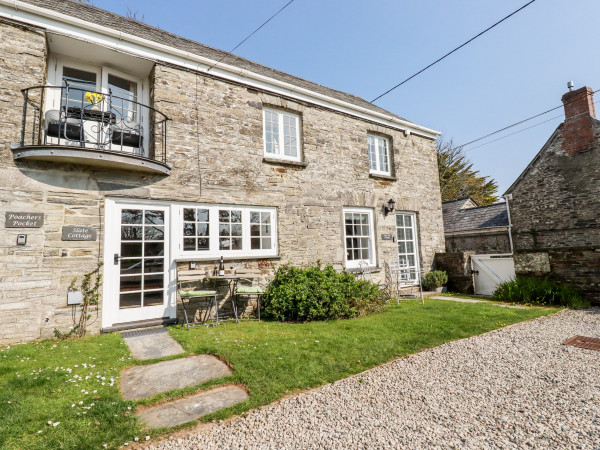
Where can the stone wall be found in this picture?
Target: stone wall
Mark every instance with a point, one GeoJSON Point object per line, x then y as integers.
{"type": "Point", "coordinates": [215, 144]}
{"type": "Point", "coordinates": [484, 243]}
{"type": "Point", "coordinates": [555, 213]}
{"type": "Point", "coordinates": [458, 267]}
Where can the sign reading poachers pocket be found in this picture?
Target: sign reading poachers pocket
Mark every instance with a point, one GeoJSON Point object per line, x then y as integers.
{"type": "Point", "coordinates": [79, 234]}
{"type": "Point", "coordinates": [24, 220]}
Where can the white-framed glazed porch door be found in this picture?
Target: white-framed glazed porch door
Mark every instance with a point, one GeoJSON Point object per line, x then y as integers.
{"type": "Point", "coordinates": [137, 263]}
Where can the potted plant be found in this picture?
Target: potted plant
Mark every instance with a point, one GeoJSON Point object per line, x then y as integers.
{"type": "Point", "coordinates": [434, 280]}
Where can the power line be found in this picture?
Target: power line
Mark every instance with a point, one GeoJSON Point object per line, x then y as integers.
{"type": "Point", "coordinates": [519, 123]}
{"type": "Point", "coordinates": [252, 34]}
{"type": "Point", "coordinates": [449, 53]}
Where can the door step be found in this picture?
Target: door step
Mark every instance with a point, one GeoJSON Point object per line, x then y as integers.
{"type": "Point", "coordinates": [139, 324]}
{"type": "Point", "coordinates": [194, 407]}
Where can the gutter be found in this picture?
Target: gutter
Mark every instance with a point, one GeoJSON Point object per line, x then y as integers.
{"type": "Point", "coordinates": [73, 27]}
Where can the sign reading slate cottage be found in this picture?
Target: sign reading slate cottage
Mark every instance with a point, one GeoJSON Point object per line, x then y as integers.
{"type": "Point", "coordinates": [24, 220]}
{"type": "Point", "coordinates": [79, 234]}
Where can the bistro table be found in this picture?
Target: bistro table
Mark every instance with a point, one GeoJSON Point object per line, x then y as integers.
{"type": "Point", "coordinates": [231, 282]}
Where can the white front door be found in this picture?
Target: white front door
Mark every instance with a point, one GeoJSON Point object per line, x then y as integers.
{"type": "Point", "coordinates": [136, 263]}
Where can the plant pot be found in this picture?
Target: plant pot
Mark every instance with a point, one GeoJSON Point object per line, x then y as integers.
{"type": "Point", "coordinates": [439, 290]}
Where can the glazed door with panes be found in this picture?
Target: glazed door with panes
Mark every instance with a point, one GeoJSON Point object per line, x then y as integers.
{"type": "Point", "coordinates": [139, 263]}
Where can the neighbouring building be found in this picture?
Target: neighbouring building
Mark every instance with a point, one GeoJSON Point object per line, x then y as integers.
{"type": "Point", "coordinates": [477, 229]}
{"type": "Point", "coordinates": [555, 204]}
{"type": "Point", "coordinates": [126, 145]}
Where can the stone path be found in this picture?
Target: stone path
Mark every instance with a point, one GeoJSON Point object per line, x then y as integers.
{"type": "Point", "coordinates": [140, 382]}
{"type": "Point", "coordinates": [144, 381]}
{"type": "Point", "coordinates": [151, 343]}
{"type": "Point", "coordinates": [472, 300]}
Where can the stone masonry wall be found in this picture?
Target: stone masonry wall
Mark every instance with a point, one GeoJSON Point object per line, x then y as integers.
{"type": "Point", "coordinates": [484, 243]}
{"type": "Point", "coordinates": [555, 213]}
{"type": "Point", "coordinates": [215, 144]}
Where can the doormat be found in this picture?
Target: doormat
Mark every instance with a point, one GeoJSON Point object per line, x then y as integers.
{"type": "Point", "coordinates": [588, 343]}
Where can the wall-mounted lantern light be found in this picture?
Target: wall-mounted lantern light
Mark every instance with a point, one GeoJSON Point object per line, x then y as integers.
{"type": "Point", "coordinates": [389, 207]}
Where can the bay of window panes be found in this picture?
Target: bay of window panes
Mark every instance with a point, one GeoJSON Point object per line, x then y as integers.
{"type": "Point", "coordinates": [260, 230]}
{"type": "Point", "coordinates": [230, 229]}
{"type": "Point", "coordinates": [378, 154]}
{"type": "Point", "coordinates": [196, 229]}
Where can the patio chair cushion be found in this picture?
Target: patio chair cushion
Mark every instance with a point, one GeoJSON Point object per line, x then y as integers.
{"type": "Point", "coordinates": [185, 294]}
{"type": "Point", "coordinates": [249, 290]}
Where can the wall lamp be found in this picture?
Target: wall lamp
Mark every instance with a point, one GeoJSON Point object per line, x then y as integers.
{"type": "Point", "coordinates": [389, 207]}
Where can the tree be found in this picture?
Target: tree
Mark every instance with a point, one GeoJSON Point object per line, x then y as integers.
{"type": "Point", "coordinates": [459, 180]}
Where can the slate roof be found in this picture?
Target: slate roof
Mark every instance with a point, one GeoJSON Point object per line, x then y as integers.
{"type": "Point", "coordinates": [461, 215]}
{"type": "Point", "coordinates": [110, 20]}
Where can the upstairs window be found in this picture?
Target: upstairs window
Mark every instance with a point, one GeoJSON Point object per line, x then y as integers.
{"type": "Point", "coordinates": [379, 155]}
{"type": "Point", "coordinates": [281, 134]}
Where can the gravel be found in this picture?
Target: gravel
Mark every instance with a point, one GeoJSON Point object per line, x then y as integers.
{"type": "Point", "coordinates": [516, 387]}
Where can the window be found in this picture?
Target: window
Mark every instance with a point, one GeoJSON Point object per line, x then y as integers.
{"type": "Point", "coordinates": [406, 233]}
{"type": "Point", "coordinates": [358, 236]}
{"type": "Point", "coordinates": [281, 135]}
{"type": "Point", "coordinates": [379, 155]}
{"type": "Point", "coordinates": [209, 231]}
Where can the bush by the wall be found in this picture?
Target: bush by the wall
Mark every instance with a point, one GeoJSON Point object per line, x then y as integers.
{"type": "Point", "coordinates": [541, 292]}
{"type": "Point", "coordinates": [315, 293]}
{"type": "Point", "coordinates": [435, 279]}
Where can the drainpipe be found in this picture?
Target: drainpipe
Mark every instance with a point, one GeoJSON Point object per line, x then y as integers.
{"type": "Point", "coordinates": [508, 197]}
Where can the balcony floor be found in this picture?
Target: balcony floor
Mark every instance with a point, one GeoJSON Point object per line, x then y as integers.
{"type": "Point", "coordinates": [91, 157]}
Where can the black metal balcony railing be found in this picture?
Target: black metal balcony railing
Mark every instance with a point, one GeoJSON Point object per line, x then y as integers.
{"type": "Point", "coordinates": [73, 117]}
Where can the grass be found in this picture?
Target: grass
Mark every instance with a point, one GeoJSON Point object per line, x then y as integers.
{"type": "Point", "coordinates": [38, 383]}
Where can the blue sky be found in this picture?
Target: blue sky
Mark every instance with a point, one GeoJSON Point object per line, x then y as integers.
{"type": "Point", "coordinates": [516, 70]}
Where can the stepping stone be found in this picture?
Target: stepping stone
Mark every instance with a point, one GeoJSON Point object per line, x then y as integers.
{"type": "Point", "coordinates": [151, 343]}
{"type": "Point", "coordinates": [145, 381]}
{"type": "Point", "coordinates": [194, 407]}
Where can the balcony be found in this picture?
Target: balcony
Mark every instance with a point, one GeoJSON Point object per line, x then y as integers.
{"type": "Point", "coordinates": [71, 125]}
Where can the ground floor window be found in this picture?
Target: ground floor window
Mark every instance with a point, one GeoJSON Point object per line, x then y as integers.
{"type": "Point", "coordinates": [358, 236]}
{"type": "Point", "coordinates": [213, 230]}
{"type": "Point", "coordinates": [406, 233]}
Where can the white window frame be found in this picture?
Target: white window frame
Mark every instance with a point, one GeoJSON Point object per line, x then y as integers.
{"type": "Point", "coordinates": [281, 135]}
{"type": "Point", "coordinates": [371, 261]}
{"type": "Point", "coordinates": [377, 170]}
{"type": "Point", "coordinates": [213, 251]}
{"type": "Point", "coordinates": [414, 270]}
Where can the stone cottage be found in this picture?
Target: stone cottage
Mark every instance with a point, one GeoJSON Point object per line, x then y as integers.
{"type": "Point", "coordinates": [126, 145]}
{"type": "Point", "coordinates": [555, 204]}
{"type": "Point", "coordinates": [478, 229]}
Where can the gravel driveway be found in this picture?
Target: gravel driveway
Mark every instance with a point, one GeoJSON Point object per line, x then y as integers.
{"type": "Point", "coordinates": [517, 387]}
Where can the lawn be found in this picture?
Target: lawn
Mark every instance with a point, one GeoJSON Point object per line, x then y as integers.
{"type": "Point", "coordinates": [64, 394]}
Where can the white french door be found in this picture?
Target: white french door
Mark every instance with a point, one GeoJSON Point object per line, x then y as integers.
{"type": "Point", "coordinates": [137, 263]}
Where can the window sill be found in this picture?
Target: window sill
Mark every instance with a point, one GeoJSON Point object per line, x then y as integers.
{"type": "Point", "coordinates": [216, 258]}
{"type": "Point", "coordinates": [376, 269]}
{"type": "Point", "coordinates": [285, 162]}
{"type": "Point", "coordinates": [382, 176]}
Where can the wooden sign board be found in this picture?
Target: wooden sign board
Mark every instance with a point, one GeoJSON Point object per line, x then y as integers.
{"type": "Point", "coordinates": [79, 234]}
{"type": "Point", "coordinates": [24, 220]}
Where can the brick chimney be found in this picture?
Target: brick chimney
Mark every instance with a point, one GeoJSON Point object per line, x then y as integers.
{"type": "Point", "coordinates": [578, 130]}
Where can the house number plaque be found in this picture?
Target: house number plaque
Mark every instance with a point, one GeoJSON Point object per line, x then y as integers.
{"type": "Point", "coordinates": [79, 234]}
{"type": "Point", "coordinates": [387, 237]}
{"type": "Point", "coordinates": [24, 220]}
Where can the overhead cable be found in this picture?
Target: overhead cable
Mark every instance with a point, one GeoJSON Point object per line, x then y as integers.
{"type": "Point", "coordinates": [449, 53]}
{"type": "Point", "coordinates": [252, 34]}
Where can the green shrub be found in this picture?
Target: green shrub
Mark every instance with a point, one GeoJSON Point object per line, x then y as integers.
{"type": "Point", "coordinates": [541, 292]}
{"type": "Point", "coordinates": [435, 279]}
{"type": "Point", "coordinates": [315, 293]}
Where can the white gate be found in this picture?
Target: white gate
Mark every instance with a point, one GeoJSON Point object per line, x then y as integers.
{"type": "Point", "coordinates": [491, 270]}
